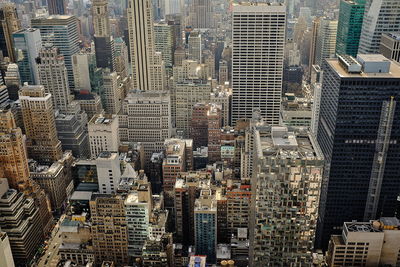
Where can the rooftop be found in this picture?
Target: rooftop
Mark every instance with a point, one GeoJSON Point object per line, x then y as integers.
{"type": "Point", "coordinates": [393, 35]}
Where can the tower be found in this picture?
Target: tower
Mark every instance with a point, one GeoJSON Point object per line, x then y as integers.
{"type": "Point", "coordinates": [40, 127]}
{"type": "Point", "coordinates": [358, 124]}
{"type": "Point", "coordinates": [381, 16]}
{"type": "Point", "coordinates": [53, 76]}
{"type": "Point", "coordinates": [57, 7]}
{"type": "Point", "coordinates": [200, 14]}
{"type": "Point", "coordinates": [9, 23]}
{"type": "Point", "coordinates": [257, 59]}
{"type": "Point", "coordinates": [147, 65]}
{"type": "Point", "coordinates": [350, 22]}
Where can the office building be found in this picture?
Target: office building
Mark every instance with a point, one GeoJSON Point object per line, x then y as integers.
{"type": "Point", "coordinates": [12, 81]}
{"type": "Point", "coordinates": [62, 31]}
{"type": "Point", "coordinates": [146, 118]}
{"type": "Point", "coordinates": [27, 44]}
{"type": "Point", "coordinates": [109, 228]}
{"type": "Point", "coordinates": [103, 134]}
{"type": "Point", "coordinates": [53, 76]}
{"type": "Point", "coordinates": [283, 215]}
{"type": "Point", "coordinates": [72, 131]}
{"type": "Point", "coordinates": [199, 125]}
{"type": "Point", "coordinates": [121, 57]}
{"type": "Point", "coordinates": [40, 128]}
{"type": "Point", "coordinates": [108, 172]}
{"type": "Point", "coordinates": [13, 157]}
{"type": "Point", "coordinates": [200, 14]}
{"type": "Point", "coordinates": [147, 66]}
{"type": "Point", "coordinates": [20, 219]}
{"type": "Point", "coordinates": [205, 225]}
{"type": "Point", "coordinates": [164, 43]}
{"type": "Point", "coordinates": [54, 179]}
{"type": "Point", "coordinates": [138, 211]}
{"type": "Point", "coordinates": [326, 40]}
{"type": "Point", "coordinates": [381, 16]}
{"type": "Point", "coordinates": [313, 45]}
{"type": "Point", "coordinates": [248, 36]}
{"type": "Point", "coordinates": [390, 46]}
{"type": "Point", "coordinates": [83, 67]}
{"type": "Point", "coordinates": [351, 15]}
{"type": "Point", "coordinates": [223, 72]}
{"type": "Point", "coordinates": [6, 257]}
{"type": "Point", "coordinates": [174, 162]}
{"type": "Point", "coordinates": [9, 23]}
{"type": "Point", "coordinates": [57, 7]}
{"type": "Point", "coordinates": [373, 243]}
{"type": "Point", "coordinates": [111, 94]}
{"type": "Point", "coordinates": [195, 46]}
{"type": "Point", "coordinates": [361, 130]}
{"type": "Point", "coordinates": [4, 97]}
{"type": "Point", "coordinates": [214, 133]}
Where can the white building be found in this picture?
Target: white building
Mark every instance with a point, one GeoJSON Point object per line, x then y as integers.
{"type": "Point", "coordinates": [326, 40]}
{"type": "Point", "coordinates": [6, 257]}
{"type": "Point", "coordinates": [53, 76]}
{"type": "Point", "coordinates": [257, 59]}
{"type": "Point", "coordinates": [80, 67]}
{"type": "Point", "coordinates": [103, 134]}
{"type": "Point", "coordinates": [146, 118]}
{"type": "Point", "coordinates": [108, 172]}
{"type": "Point", "coordinates": [194, 46]}
{"type": "Point", "coordinates": [111, 95]}
{"type": "Point", "coordinates": [381, 16]}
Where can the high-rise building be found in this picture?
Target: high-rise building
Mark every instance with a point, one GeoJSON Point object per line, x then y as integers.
{"type": "Point", "coordinates": [358, 123]}
{"type": "Point", "coordinates": [108, 172]}
{"type": "Point", "coordinates": [381, 16]}
{"type": "Point", "coordinates": [13, 81]}
{"type": "Point", "coordinates": [111, 95]}
{"type": "Point", "coordinates": [214, 126]}
{"type": "Point", "coordinates": [109, 228]}
{"type": "Point", "coordinates": [390, 46]}
{"type": "Point", "coordinates": [53, 76]}
{"type": "Point", "coordinates": [57, 7]}
{"type": "Point", "coordinates": [372, 243]}
{"type": "Point", "coordinates": [83, 66]}
{"type": "Point", "coordinates": [138, 212]}
{"type": "Point", "coordinates": [6, 257]}
{"type": "Point", "coordinates": [164, 43]}
{"type": "Point", "coordinates": [326, 40]}
{"type": "Point", "coordinates": [13, 157]}
{"type": "Point", "coordinates": [71, 128]}
{"type": "Point", "coordinates": [283, 215]}
{"type": "Point", "coordinates": [223, 72]}
{"type": "Point", "coordinates": [121, 57]}
{"type": "Point", "coordinates": [146, 118]}
{"type": "Point", "coordinates": [103, 134]}
{"type": "Point", "coordinates": [256, 51]}
{"type": "Point", "coordinates": [351, 15]}
{"type": "Point", "coordinates": [9, 23]}
{"type": "Point", "coordinates": [20, 219]}
{"type": "Point", "coordinates": [147, 65]}
{"type": "Point", "coordinates": [62, 32]}
{"type": "Point", "coordinates": [27, 44]}
{"type": "Point", "coordinates": [103, 41]}
{"type": "Point", "coordinates": [313, 46]}
{"type": "Point", "coordinates": [199, 125]}
{"type": "Point", "coordinates": [200, 14]}
{"type": "Point", "coordinates": [40, 127]}
{"type": "Point", "coordinates": [205, 225]}
{"type": "Point", "coordinates": [4, 97]}
{"type": "Point", "coordinates": [195, 46]}
{"type": "Point", "coordinates": [54, 180]}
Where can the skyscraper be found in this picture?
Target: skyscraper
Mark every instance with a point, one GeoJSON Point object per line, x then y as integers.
{"type": "Point", "coordinates": [390, 46]}
{"type": "Point", "coordinates": [351, 15]}
{"type": "Point", "coordinates": [103, 41]}
{"type": "Point", "coordinates": [27, 44]}
{"type": "Point", "coordinates": [381, 16]}
{"type": "Point", "coordinates": [57, 7]}
{"type": "Point", "coordinates": [62, 32]}
{"type": "Point", "coordinates": [257, 59]}
{"type": "Point", "coordinates": [40, 128]}
{"type": "Point", "coordinates": [200, 14]}
{"type": "Point", "coordinates": [53, 76]}
{"type": "Point", "coordinates": [326, 40]}
{"type": "Point", "coordinates": [147, 65]}
{"type": "Point", "coordinates": [358, 130]}
{"type": "Point", "coordinates": [284, 214]}
{"type": "Point", "coordinates": [13, 158]}
{"type": "Point", "coordinates": [9, 23]}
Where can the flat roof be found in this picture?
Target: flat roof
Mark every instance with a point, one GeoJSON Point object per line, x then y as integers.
{"type": "Point", "coordinates": [394, 71]}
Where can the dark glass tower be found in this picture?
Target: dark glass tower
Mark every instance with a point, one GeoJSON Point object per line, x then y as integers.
{"type": "Point", "coordinates": [359, 134]}
{"type": "Point", "coordinates": [350, 22]}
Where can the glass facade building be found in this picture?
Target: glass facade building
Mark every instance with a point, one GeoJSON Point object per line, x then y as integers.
{"type": "Point", "coordinates": [359, 134]}
{"type": "Point", "coordinates": [351, 17]}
